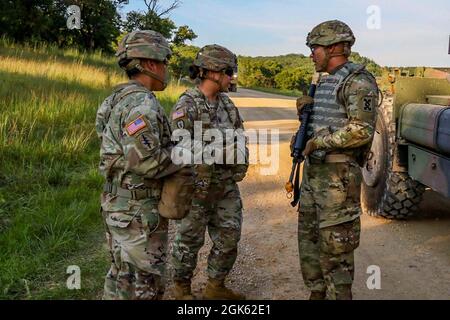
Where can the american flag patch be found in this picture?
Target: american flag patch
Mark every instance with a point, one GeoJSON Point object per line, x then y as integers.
{"type": "Point", "coordinates": [135, 126]}
{"type": "Point", "coordinates": [177, 114]}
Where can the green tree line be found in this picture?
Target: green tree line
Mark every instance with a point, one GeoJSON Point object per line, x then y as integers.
{"type": "Point", "coordinates": [287, 72]}
{"type": "Point", "coordinates": [34, 22]}
{"type": "Point", "coordinates": [103, 25]}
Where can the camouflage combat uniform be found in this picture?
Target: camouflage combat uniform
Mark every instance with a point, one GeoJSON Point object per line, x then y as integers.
{"type": "Point", "coordinates": [217, 204]}
{"type": "Point", "coordinates": [135, 153]}
{"type": "Point", "coordinates": [341, 126]}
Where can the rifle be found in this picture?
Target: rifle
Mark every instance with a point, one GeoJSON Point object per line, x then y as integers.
{"type": "Point", "coordinates": [300, 142]}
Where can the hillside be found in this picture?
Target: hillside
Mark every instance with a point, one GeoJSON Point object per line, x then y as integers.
{"type": "Point", "coordinates": [290, 72]}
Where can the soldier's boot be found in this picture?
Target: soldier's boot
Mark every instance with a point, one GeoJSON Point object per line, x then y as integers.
{"type": "Point", "coordinates": [343, 292]}
{"type": "Point", "coordinates": [317, 295]}
{"type": "Point", "coordinates": [182, 290]}
{"type": "Point", "coordinates": [216, 290]}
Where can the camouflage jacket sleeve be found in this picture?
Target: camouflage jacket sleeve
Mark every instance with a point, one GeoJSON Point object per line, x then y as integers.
{"type": "Point", "coordinates": [361, 101]}
{"type": "Point", "coordinates": [183, 114]}
{"type": "Point", "coordinates": [102, 117]}
{"type": "Point", "coordinates": [146, 138]}
{"type": "Point", "coordinates": [242, 152]}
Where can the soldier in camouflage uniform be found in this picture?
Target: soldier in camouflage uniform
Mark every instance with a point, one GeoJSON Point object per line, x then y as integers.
{"type": "Point", "coordinates": [341, 129]}
{"type": "Point", "coordinates": [217, 204]}
{"type": "Point", "coordinates": [135, 155]}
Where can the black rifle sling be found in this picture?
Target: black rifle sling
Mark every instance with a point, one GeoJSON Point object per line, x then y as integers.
{"type": "Point", "coordinates": [297, 190]}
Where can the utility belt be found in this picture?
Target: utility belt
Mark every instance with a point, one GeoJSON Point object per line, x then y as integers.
{"type": "Point", "coordinates": [332, 158]}
{"type": "Point", "coordinates": [133, 194]}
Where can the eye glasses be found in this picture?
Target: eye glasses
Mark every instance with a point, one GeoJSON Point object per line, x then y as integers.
{"type": "Point", "coordinates": [229, 72]}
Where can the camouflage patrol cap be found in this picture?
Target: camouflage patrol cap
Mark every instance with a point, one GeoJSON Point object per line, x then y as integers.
{"type": "Point", "coordinates": [215, 58]}
{"type": "Point", "coordinates": [143, 44]}
{"type": "Point", "coordinates": [330, 32]}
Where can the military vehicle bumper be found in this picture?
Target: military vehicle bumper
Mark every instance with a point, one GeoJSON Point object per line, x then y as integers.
{"type": "Point", "coordinates": [430, 169]}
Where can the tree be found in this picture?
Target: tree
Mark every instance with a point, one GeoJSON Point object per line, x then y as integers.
{"type": "Point", "coordinates": [183, 34]}
{"type": "Point", "coordinates": [182, 58]}
{"type": "Point", "coordinates": [35, 22]}
{"type": "Point", "coordinates": [293, 79]}
{"type": "Point", "coordinates": [371, 65]}
{"type": "Point", "coordinates": [99, 26]}
{"type": "Point", "coordinates": [156, 18]}
{"type": "Point", "coordinates": [149, 21]}
{"type": "Point", "coordinates": [46, 21]}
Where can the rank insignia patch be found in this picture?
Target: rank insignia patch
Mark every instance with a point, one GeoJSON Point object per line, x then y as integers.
{"type": "Point", "coordinates": [135, 126]}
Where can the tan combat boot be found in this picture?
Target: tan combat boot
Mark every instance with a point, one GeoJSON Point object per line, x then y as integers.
{"type": "Point", "coordinates": [216, 290]}
{"type": "Point", "coordinates": [182, 290]}
{"type": "Point", "coordinates": [317, 295]}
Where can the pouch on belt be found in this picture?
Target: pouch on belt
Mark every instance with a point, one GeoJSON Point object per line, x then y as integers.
{"type": "Point", "coordinates": [176, 195]}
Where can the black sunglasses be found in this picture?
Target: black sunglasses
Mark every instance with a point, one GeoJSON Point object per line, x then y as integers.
{"type": "Point", "coordinates": [229, 72]}
{"type": "Point", "coordinates": [166, 60]}
{"type": "Point", "coordinates": [313, 48]}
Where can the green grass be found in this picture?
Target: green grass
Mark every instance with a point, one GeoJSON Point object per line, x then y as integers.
{"type": "Point", "coordinates": [290, 93]}
{"type": "Point", "coordinates": [49, 183]}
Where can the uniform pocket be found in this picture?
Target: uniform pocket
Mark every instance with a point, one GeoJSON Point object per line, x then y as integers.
{"type": "Point", "coordinates": [354, 183]}
{"type": "Point", "coordinates": [341, 238]}
{"type": "Point", "coordinates": [147, 213]}
{"type": "Point", "coordinates": [117, 211]}
{"type": "Point", "coordinates": [119, 219]}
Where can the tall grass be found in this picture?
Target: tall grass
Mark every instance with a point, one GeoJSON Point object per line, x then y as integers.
{"type": "Point", "coordinates": [49, 183]}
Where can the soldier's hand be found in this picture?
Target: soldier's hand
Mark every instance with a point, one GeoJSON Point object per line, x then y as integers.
{"type": "Point", "coordinates": [302, 102]}
{"type": "Point", "coordinates": [309, 148]}
{"type": "Point", "coordinates": [238, 177]}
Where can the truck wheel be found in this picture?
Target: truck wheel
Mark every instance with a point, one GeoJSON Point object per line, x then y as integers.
{"type": "Point", "coordinates": [392, 195]}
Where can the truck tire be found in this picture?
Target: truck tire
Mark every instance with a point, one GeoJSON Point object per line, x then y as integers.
{"type": "Point", "coordinates": [392, 195]}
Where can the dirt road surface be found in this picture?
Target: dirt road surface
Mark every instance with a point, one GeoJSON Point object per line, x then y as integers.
{"type": "Point", "coordinates": [413, 256]}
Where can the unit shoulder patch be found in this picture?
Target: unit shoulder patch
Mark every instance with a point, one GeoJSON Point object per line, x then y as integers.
{"type": "Point", "coordinates": [368, 104]}
{"type": "Point", "coordinates": [147, 141]}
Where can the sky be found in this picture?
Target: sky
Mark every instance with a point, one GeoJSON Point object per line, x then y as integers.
{"type": "Point", "coordinates": [391, 32]}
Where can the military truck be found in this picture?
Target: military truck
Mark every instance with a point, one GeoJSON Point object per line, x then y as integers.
{"type": "Point", "coordinates": [234, 81]}
{"type": "Point", "coordinates": [411, 147]}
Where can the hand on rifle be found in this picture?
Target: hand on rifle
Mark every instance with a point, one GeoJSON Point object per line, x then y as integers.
{"type": "Point", "coordinates": [302, 102]}
{"type": "Point", "coordinates": [310, 147]}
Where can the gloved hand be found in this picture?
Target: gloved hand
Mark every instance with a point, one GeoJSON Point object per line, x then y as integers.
{"type": "Point", "coordinates": [310, 147]}
{"type": "Point", "coordinates": [238, 177]}
{"type": "Point", "coordinates": [302, 102]}
{"type": "Point", "coordinates": [239, 172]}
